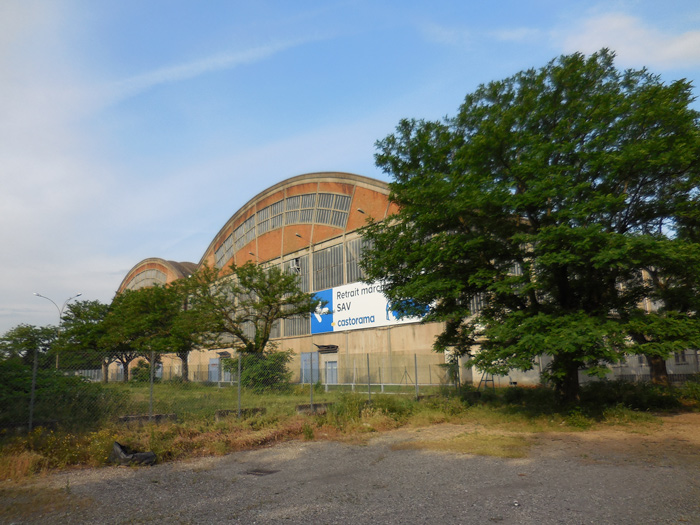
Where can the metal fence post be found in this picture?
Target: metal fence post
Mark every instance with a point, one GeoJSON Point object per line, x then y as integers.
{"type": "Point", "coordinates": [150, 388]}
{"type": "Point", "coordinates": [415, 363]}
{"type": "Point", "coordinates": [240, 358]}
{"type": "Point", "coordinates": [369, 382]}
{"type": "Point", "coordinates": [311, 383]}
{"type": "Point", "coordinates": [33, 393]}
{"type": "Point", "coordinates": [354, 374]}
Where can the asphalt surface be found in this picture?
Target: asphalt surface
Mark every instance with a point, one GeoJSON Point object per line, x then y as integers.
{"type": "Point", "coordinates": [331, 482]}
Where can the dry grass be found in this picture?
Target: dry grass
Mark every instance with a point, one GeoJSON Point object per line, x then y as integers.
{"type": "Point", "coordinates": [21, 464]}
{"type": "Point", "coordinates": [499, 429]}
{"type": "Point", "coordinates": [32, 502]}
{"type": "Point", "coordinates": [474, 443]}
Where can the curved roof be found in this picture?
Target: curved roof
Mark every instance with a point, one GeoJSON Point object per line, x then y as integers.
{"type": "Point", "coordinates": [292, 215]}
{"type": "Point", "coordinates": [153, 271]}
{"type": "Point", "coordinates": [296, 213]}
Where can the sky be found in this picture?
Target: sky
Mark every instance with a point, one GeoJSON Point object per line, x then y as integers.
{"type": "Point", "coordinates": [136, 128]}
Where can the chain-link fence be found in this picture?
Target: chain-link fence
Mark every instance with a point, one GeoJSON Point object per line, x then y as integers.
{"type": "Point", "coordinates": [88, 391]}
{"type": "Point", "coordinates": [74, 396]}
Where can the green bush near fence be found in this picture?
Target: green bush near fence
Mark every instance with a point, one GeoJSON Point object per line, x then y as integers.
{"type": "Point", "coordinates": [141, 373]}
{"type": "Point", "coordinates": [690, 390]}
{"type": "Point", "coordinates": [70, 402]}
{"type": "Point", "coordinates": [263, 372]}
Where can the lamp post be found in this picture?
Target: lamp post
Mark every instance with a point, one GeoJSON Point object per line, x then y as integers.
{"type": "Point", "coordinates": [60, 314]}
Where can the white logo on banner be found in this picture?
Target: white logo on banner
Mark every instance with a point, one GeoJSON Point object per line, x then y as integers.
{"type": "Point", "coordinates": [355, 306]}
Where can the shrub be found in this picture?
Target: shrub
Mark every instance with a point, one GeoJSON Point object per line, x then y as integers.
{"type": "Point", "coordinates": [469, 394]}
{"type": "Point", "coordinates": [141, 373]}
{"type": "Point", "coordinates": [263, 372]}
{"type": "Point", "coordinates": [346, 409]}
{"type": "Point", "coordinates": [637, 396]}
{"type": "Point", "coordinates": [397, 407]}
{"type": "Point", "coordinates": [72, 401]}
{"type": "Point", "coordinates": [577, 419]}
{"type": "Point", "coordinates": [691, 389]}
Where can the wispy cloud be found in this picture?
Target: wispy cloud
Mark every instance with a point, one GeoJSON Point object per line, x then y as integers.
{"type": "Point", "coordinates": [222, 61]}
{"type": "Point", "coordinates": [518, 34]}
{"type": "Point", "coordinates": [634, 42]}
{"type": "Point", "coordinates": [462, 37]}
{"type": "Point", "coordinates": [446, 35]}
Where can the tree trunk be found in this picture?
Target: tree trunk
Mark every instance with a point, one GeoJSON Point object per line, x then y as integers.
{"type": "Point", "coordinates": [105, 372]}
{"type": "Point", "coordinates": [567, 386]}
{"type": "Point", "coordinates": [185, 366]}
{"type": "Point", "coordinates": [125, 367]}
{"type": "Point", "coordinates": [658, 370]}
{"type": "Point", "coordinates": [570, 388]}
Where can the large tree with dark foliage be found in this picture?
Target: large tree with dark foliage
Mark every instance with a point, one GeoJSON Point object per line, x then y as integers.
{"type": "Point", "coordinates": [21, 342]}
{"type": "Point", "coordinates": [147, 323]}
{"type": "Point", "coordinates": [82, 330]}
{"type": "Point", "coordinates": [559, 198]}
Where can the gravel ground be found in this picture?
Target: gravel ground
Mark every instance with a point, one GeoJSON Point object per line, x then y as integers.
{"type": "Point", "coordinates": [592, 477]}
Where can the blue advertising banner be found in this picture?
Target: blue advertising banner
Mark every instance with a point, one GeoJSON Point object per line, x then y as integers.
{"type": "Point", "coordinates": [353, 307]}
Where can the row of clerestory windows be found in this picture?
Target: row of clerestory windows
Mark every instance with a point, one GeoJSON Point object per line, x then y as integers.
{"type": "Point", "coordinates": [147, 278]}
{"type": "Point", "coordinates": [319, 208]}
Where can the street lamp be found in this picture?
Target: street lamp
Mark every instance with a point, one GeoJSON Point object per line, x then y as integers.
{"type": "Point", "coordinates": [60, 314]}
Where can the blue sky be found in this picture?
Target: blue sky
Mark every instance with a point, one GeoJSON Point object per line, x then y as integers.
{"type": "Point", "coordinates": [135, 128]}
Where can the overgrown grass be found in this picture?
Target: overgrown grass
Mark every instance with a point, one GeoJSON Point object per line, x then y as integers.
{"type": "Point", "coordinates": [198, 401]}
{"type": "Point", "coordinates": [500, 413]}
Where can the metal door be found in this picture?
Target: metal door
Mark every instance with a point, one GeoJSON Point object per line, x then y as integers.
{"type": "Point", "coordinates": [331, 372]}
{"type": "Point", "coordinates": [309, 367]}
{"type": "Point", "coordinates": [213, 369]}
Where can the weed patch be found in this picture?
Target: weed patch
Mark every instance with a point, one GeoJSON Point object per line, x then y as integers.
{"type": "Point", "coordinates": [350, 417]}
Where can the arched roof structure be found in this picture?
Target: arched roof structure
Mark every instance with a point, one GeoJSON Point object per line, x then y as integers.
{"type": "Point", "coordinates": [292, 215]}
{"type": "Point", "coordinates": [296, 213]}
{"type": "Point", "coordinates": [153, 271]}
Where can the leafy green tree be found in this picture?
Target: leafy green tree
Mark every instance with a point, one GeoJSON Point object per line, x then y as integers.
{"type": "Point", "coordinates": [185, 329]}
{"type": "Point", "coordinates": [524, 222]}
{"type": "Point", "coordinates": [240, 308]}
{"type": "Point", "coordinates": [153, 320]}
{"type": "Point", "coordinates": [21, 342]}
{"type": "Point", "coordinates": [82, 330]}
{"type": "Point", "coordinates": [673, 295]}
{"type": "Point", "coordinates": [118, 340]}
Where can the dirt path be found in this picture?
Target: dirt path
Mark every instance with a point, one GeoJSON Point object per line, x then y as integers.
{"type": "Point", "coordinates": [611, 475]}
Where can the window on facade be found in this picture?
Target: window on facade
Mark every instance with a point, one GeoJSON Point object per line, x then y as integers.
{"type": "Point", "coordinates": [225, 252]}
{"type": "Point", "coordinates": [353, 255]}
{"type": "Point", "coordinates": [333, 209]}
{"type": "Point", "coordinates": [476, 304]}
{"type": "Point", "coordinates": [297, 325]}
{"type": "Point", "coordinates": [147, 278]}
{"type": "Point", "coordinates": [516, 269]}
{"type": "Point", "coordinates": [300, 208]}
{"type": "Point", "coordinates": [300, 267]}
{"type": "Point", "coordinates": [308, 200]}
{"type": "Point", "coordinates": [679, 358]}
{"type": "Point", "coordinates": [276, 330]}
{"type": "Point", "coordinates": [244, 233]}
{"type": "Point", "coordinates": [263, 218]}
{"type": "Point", "coordinates": [323, 208]}
{"type": "Point", "coordinates": [328, 267]}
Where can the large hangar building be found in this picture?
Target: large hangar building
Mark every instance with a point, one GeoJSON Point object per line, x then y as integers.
{"type": "Point", "coordinates": [309, 225]}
